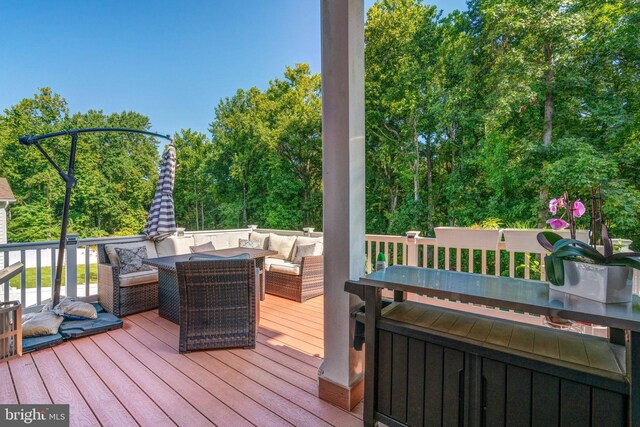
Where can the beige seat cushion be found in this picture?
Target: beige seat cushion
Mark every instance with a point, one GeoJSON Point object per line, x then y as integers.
{"type": "Point", "coordinates": [282, 244]}
{"type": "Point", "coordinates": [287, 268]}
{"type": "Point", "coordinates": [113, 256]}
{"type": "Point", "coordinates": [39, 324]}
{"type": "Point", "coordinates": [304, 240]}
{"type": "Point", "coordinates": [138, 278]}
{"type": "Point", "coordinates": [174, 245]}
{"type": "Point", "coordinates": [263, 238]}
{"type": "Point", "coordinates": [268, 262]}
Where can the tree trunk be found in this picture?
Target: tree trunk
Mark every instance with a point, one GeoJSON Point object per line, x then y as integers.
{"type": "Point", "coordinates": [548, 99]}
{"type": "Point", "coordinates": [430, 207]}
{"type": "Point", "coordinates": [416, 165]}
{"type": "Point", "coordinates": [244, 204]}
{"type": "Point", "coordinates": [202, 215]}
{"type": "Point", "coordinates": [195, 196]}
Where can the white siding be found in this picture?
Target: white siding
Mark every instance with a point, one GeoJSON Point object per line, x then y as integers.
{"type": "Point", "coordinates": [3, 225]}
{"type": "Point", "coordinates": [3, 231]}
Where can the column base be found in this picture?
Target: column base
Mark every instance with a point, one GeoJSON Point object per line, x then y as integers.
{"type": "Point", "coordinates": [339, 395]}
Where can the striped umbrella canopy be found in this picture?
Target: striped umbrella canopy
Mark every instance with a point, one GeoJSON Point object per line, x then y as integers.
{"type": "Point", "coordinates": [161, 221]}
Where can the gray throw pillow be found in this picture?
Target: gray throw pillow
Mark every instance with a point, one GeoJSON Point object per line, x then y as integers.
{"type": "Point", "coordinates": [205, 247]}
{"type": "Point", "coordinates": [253, 244]}
{"type": "Point", "coordinates": [131, 259]}
{"type": "Point", "coordinates": [303, 251]}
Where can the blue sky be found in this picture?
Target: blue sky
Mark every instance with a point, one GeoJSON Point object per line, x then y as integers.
{"type": "Point", "coordinates": [170, 60]}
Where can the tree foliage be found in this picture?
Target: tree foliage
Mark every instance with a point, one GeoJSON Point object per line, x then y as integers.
{"type": "Point", "coordinates": [116, 172]}
{"type": "Point", "coordinates": [471, 117]}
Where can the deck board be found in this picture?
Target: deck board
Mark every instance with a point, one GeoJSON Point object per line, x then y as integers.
{"type": "Point", "coordinates": [62, 389]}
{"type": "Point", "coordinates": [135, 375]}
{"type": "Point", "coordinates": [7, 389]}
{"type": "Point", "coordinates": [27, 380]}
{"type": "Point", "coordinates": [105, 405]}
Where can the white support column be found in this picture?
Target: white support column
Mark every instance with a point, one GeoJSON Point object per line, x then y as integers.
{"type": "Point", "coordinates": [344, 193]}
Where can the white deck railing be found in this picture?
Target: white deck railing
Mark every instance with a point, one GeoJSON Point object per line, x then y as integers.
{"type": "Point", "coordinates": [469, 250]}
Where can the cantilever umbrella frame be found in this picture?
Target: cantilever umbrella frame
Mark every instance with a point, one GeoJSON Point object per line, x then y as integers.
{"type": "Point", "coordinates": [70, 181]}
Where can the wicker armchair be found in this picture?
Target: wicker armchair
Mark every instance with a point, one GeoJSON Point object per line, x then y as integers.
{"type": "Point", "coordinates": [298, 287]}
{"type": "Point", "coordinates": [218, 304]}
{"type": "Point", "coordinates": [122, 300]}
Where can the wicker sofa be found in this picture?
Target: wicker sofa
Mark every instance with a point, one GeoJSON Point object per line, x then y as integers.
{"type": "Point", "coordinates": [123, 294]}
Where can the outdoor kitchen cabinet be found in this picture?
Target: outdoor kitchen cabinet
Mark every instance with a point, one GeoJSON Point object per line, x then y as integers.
{"type": "Point", "coordinates": [432, 366]}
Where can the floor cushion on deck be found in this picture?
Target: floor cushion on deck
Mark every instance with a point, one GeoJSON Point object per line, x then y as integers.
{"type": "Point", "coordinates": [38, 343]}
{"type": "Point", "coordinates": [70, 329]}
{"type": "Point", "coordinates": [40, 324]}
{"type": "Point", "coordinates": [75, 310]}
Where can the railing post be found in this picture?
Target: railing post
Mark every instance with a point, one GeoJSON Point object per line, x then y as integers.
{"type": "Point", "coordinates": [72, 265]}
{"type": "Point", "coordinates": [412, 248]}
{"type": "Point", "coordinates": [308, 231]}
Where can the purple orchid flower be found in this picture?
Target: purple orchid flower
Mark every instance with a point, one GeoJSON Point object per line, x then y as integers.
{"type": "Point", "coordinates": [554, 204]}
{"type": "Point", "coordinates": [557, 223]}
{"type": "Point", "coordinates": [578, 209]}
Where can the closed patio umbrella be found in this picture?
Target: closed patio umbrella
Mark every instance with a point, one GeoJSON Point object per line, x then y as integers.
{"type": "Point", "coordinates": [161, 221]}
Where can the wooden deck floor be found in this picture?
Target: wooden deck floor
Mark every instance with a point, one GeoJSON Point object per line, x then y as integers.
{"type": "Point", "coordinates": [135, 376]}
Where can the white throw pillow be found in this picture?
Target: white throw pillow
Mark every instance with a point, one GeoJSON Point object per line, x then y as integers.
{"type": "Point", "coordinates": [282, 244]}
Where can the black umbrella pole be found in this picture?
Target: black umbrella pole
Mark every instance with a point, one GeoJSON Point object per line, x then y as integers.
{"type": "Point", "coordinates": [70, 181]}
{"type": "Point", "coordinates": [61, 247]}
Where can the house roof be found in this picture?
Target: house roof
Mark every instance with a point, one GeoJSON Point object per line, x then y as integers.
{"type": "Point", "coordinates": [5, 191]}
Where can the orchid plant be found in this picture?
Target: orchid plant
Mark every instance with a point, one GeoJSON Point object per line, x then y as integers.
{"type": "Point", "coordinates": [575, 250]}
{"type": "Point", "coordinates": [572, 210]}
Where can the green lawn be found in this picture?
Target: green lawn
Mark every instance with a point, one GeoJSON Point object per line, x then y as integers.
{"type": "Point", "coordinates": [46, 276]}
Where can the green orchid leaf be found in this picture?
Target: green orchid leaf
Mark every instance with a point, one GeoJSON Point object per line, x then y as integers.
{"type": "Point", "coordinates": [584, 249]}
{"type": "Point", "coordinates": [554, 268]}
{"type": "Point", "coordinates": [547, 239]}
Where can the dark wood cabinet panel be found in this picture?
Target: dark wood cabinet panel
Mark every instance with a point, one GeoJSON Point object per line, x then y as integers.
{"type": "Point", "coordinates": [424, 375]}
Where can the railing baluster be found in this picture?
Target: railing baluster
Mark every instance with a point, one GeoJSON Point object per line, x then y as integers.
{"type": "Point", "coordinates": [543, 273]}
{"type": "Point", "coordinates": [23, 279]}
{"type": "Point", "coordinates": [484, 261]}
{"type": "Point", "coordinates": [53, 271]}
{"type": "Point", "coordinates": [5, 255]}
{"type": "Point", "coordinates": [497, 263]}
{"type": "Point", "coordinates": [368, 247]}
{"type": "Point", "coordinates": [87, 270]}
{"type": "Point", "coordinates": [458, 259]}
{"type": "Point", "coordinates": [38, 276]}
{"type": "Point", "coordinates": [436, 255]}
{"type": "Point", "coordinates": [527, 268]}
{"type": "Point", "coordinates": [447, 258]}
{"type": "Point", "coordinates": [470, 261]}
{"type": "Point", "coordinates": [512, 264]}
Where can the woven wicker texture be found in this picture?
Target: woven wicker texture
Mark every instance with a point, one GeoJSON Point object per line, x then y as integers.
{"type": "Point", "coordinates": [308, 284]}
{"type": "Point", "coordinates": [217, 304]}
{"type": "Point", "coordinates": [122, 301]}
